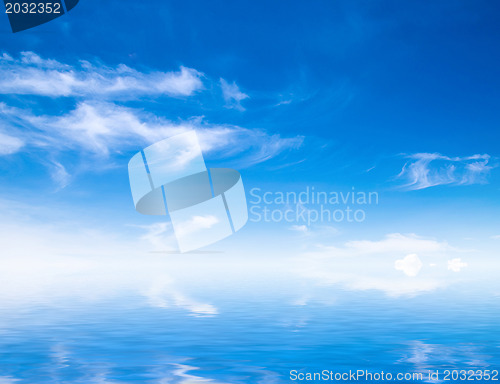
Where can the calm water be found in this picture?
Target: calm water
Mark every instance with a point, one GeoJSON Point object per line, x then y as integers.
{"type": "Point", "coordinates": [246, 340]}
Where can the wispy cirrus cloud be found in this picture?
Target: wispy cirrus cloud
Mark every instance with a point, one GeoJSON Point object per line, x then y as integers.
{"type": "Point", "coordinates": [32, 75]}
{"type": "Point", "coordinates": [456, 265]}
{"type": "Point", "coordinates": [9, 144]}
{"type": "Point", "coordinates": [232, 95]}
{"type": "Point", "coordinates": [425, 170]}
{"type": "Point", "coordinates": [60, 175]}
{"type": "Point", "coordinates": [8, 380]}
{"type": "Point", "coordinates": [102, 129]}
{"type": "Point", "coordinates": [99, 124]}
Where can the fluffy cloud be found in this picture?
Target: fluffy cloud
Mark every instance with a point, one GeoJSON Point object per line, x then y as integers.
{"type": "Point", "coordinates": [32, 75]}
{"type": "Point", "coordinates": [456, 265]}
{"type": "Point", "coordinates": [426, 170]}
{"type": "Point", "coordinates": [410, 265]}
{"type": "Point", "coordinates": [232, 95]}
{"type": "Point", "coordinates": [195, 225]}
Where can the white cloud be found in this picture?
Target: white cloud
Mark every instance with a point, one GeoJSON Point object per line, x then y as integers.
{"type": "Point", "coordinates": [456, 265]}
{"type": "Point", "coordinates": [395, 243]}
{"type": "Point", "coordinates": [8, 380]}
{"type": "Point", "coordinates": [33, 75]}
{"type": "Point", "coordinates": [59, 174]}
{"type": "Point", "coordinates": [496, 237]}
{"type": "Point", "coordinates": [160, 236]}
{"type": "Point", "coordinates": [366, 274]}
{"type": "Point", "coordinates": [299, 228]}
{"type": "Point", "coordinates": [54, 255]}
{"type": "Point", "coordinates": [232, 95]}
{"type": "Point", "coordinates": [194, 225]}
{"type": "Point", "coordinates": [103, 128]}
{"type": "Point", "coordinates": [425, 170]}
{"type": "Point", "coordinates": [410, 265]}
{"type": "Point", "coordinates": [376, 264]}
{"type": "Point", "coordinates": [9, 144]}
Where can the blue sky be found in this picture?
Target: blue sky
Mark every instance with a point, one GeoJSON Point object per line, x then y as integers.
{"type": "Point", "coordinates": [395, 97]}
